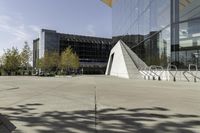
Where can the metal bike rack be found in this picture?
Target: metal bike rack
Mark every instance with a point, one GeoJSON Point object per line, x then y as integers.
{"type": "Point", "coordinates": [150, 73]}
{"type": "Point", "coordinates": [142, 71]}
{"type": "Point", "coordinates": [151, 70]}
{"type": "Point", "coordinates": [146, 73]}
{"type": "Point", "coordinates": [193, 74]}
{"type": "Point", "coordinates": [169, 69]}
{"type": "Point", "coordinates": [161, 71]}
{"type": "Point", "coordinates": [154, 67]}
{"type": "Point", "coordinates": [186, 76]}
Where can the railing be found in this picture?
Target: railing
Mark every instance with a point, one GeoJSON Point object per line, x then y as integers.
{"type": "Point", "coordinates": [169, 69]}
{"type": "Point", "coordinates": [192, 73]}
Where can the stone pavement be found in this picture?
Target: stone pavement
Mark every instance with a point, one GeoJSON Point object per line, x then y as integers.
{"type": "Point", "coordinates": [67, 105]}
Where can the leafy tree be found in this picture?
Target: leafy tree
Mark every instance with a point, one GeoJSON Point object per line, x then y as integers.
{"type": "Point", "coordinates": [40, 63]}
{"type": "Point", "coordinates": [12, 60]}
{"type": "Point", "coordinates": [25, 56]}
{"type": "Point", "coordinates": [1, 61]}
{"type": "Point", "coordinates": [49, 62]}
{"type": "Point", "coordinates": [69, 60]}
{"type": "Point", "coordinates": [65, 62]}
{"type": "Point", "coordinates": [75, 61]}
{"type": "Point", "coordinates": [52, 61]}
{"type": "Point", "coordinates": [1, 64]}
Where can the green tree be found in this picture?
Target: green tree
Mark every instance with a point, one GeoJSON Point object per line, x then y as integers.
{"type": "Point", "coordinates": [12, 60]}
{"type": "Point", "coordinates": [1, 64]}
{"type": "Point", "coordinates": [52, 60]}
{"type": "Point", "coordinates": [49, 62]}
{"type": "Point", "coordinates": [66, 59]}
{"type": "Point", "coordinates": [75, 61]}
{"type": "Point", "coordinates": [40, 63]}
{"type": "Point", "coordinates": [1, 61]}
{"type": "Point", "coordinates": [69, 60]}
{"type": "Point", "coordinates": [25, 56]}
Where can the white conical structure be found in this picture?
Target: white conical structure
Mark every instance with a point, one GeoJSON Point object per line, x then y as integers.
{"type": "Point", "coordinates": [122, 62]}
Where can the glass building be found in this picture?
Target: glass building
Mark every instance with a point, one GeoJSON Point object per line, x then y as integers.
{"type": "Point", "coordinates": [93, 52]}
{"type": "Point", "coordinates": [35, 51]}
{"type": "Point", "coordinates": [160, 32]}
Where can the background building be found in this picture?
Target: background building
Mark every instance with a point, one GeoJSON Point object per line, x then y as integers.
{"type": "Point", "coordinates": [93, 52]}
{"type": "Point", "coordinates": [159, 31]}
{"type": "Point", "coordinates": [35, 51]}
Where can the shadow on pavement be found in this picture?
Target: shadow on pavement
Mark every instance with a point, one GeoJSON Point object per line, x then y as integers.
{"type": "Point", "coordinates": [110, 120]}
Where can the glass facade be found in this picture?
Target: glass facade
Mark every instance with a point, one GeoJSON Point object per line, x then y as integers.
{"type": "Point", "coordinates": [93, 52]}
{"type": "Point", "coordinates": [159, 31]}
{"type": "Point", "coordinates": [187, 50]}
{"type": "Point", "coordinates": [49, 42]}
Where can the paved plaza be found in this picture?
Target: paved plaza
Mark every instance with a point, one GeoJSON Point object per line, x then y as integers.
{"type": "Point", "coordinates": [67, 105]}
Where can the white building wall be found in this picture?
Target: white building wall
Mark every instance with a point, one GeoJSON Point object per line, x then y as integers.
{"type": "Point", "coordinates": [118, 67]}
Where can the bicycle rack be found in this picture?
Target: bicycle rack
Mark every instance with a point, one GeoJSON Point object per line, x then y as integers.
{"type": "Point", "coordinates": [169, 68]}
{"type": "Point", "coordinates": [146, 69]}
{"type": "Point", "coordinates": [152, 71]}
{"type": "Point", "coordinates": [161, 71]}
{"type": "Point", "coordinates": [144, 73]}
{"type": "Point", "coordinates": [193, 74]}
{"type": "Point", "coordinates": [186, 76]}
{"type": "Point", "coordinates": [149, 73]}
{"type": "Point", "coordinates": [154, 67]}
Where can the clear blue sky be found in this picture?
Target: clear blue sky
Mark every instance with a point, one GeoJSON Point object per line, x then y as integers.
{"type": "Point", "coordinates": [21, 20]}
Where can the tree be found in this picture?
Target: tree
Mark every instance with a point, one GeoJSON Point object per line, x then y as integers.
{"type": "Point", "coordinates": [25, 56]}
{"type": "Point", "coordinates": [66, 59]}
{"type": "Point", "coordinates": [12, 60]}
{"type": "Point", "coordinates": [40, 63]}
{"type": "Point", "coordinates": [75, 61]}
{"type": "Point", "coordinates": [1, 64]}
{"type": "Point", "coordinates": [1, 61]}
{"type": "Point", "coordinates": [69, 60]}
{"type": "Point", "coordinates": [49, 62]}
{"type": "Point", "coordinates": [52, 60]}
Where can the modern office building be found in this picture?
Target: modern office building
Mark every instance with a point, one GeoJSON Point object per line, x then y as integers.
{"type": "Point", "coordinates": [160, 32]}
{"type": "Point", "coordinates": [93, 52]}
{"type": "Point", "coordinates": [35, 51]}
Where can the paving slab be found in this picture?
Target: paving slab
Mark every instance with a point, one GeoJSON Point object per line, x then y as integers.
{"type": "Point", "coordinates": [67, 105]}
